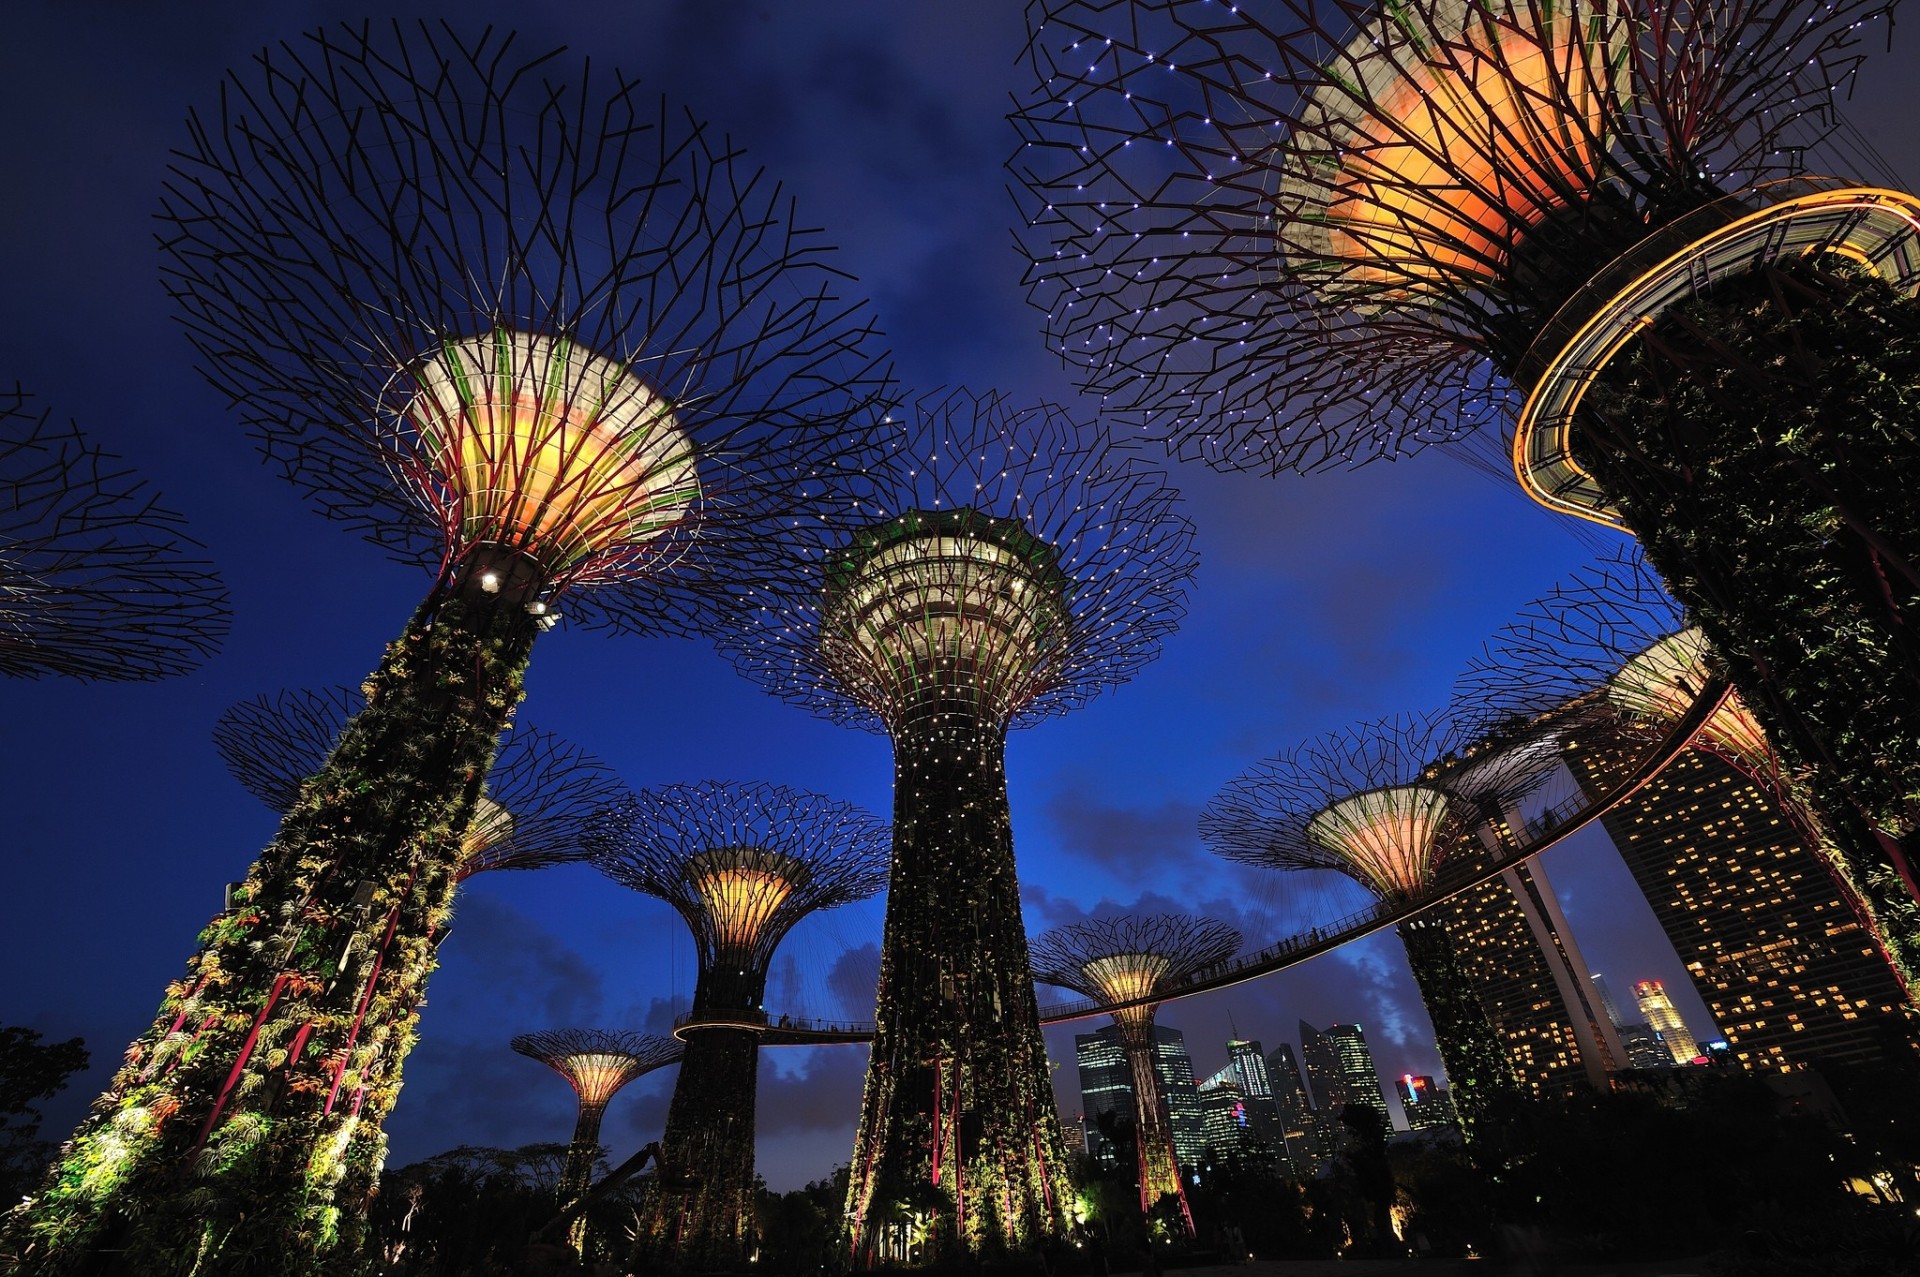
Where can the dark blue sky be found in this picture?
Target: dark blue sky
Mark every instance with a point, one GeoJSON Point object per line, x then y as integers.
{"type": "Point", "coordinates": [1319, 602]}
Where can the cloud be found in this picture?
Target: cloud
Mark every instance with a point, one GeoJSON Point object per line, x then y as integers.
{"type": "Point", "coordinates": [1132, 844]}
{"type": "Point", "coordinates": [854, 979]}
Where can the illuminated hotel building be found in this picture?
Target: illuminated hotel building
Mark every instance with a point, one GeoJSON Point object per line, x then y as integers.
{"type": "Point", "coordinates": [1515, 947]}
{"type": "Point", "coordinates": [1783, 964]}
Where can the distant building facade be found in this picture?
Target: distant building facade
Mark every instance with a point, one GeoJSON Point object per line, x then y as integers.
{"type": "Point", "coordinates": [1771, 945]}
{"type": "Point", "coordinates": [1427, 1106]}
{"type": "Point", "coordinates": [1664, 1019]}
{"type": "Point", "coordinates": [1340, 1068]}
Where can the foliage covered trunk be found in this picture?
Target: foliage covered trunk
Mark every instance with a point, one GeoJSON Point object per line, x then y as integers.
{"type": "Point", "coordinates": [221, 1144]}
{"type": "Point", "coordinates": [701, 1209]}
{"type": "Point", "coordinates": [958, 1126]}
{"type": "Point", "coordinates": [1762, 444]}
{"type": "Point", "coordinates": [1480, 1078]}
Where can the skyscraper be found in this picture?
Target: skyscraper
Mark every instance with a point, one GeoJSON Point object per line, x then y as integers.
{"type": "Point", "coordinates": [1664, 1018]}
{"type": "Point", "coordinates": [1301, 1127]}
{"type": "Point", "coordinates": [1517, 950]}
{"type": "Point", "coordinates": [1645, 1049]}
{"type": "Point", "coordinates": [1229, 1127]}
{"type": "Point", "coordinates": [1340, 1067]}
{"type": "Point", "coordinates": [1782, 962]}
{"type": "Point", "coordinates": [1106, 1087]}
{"type": "Point", "coordinates": [1427, 1106]}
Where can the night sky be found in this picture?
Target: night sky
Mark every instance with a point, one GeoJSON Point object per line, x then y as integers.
{"type": "Point", "coordinates": [1320, 601]}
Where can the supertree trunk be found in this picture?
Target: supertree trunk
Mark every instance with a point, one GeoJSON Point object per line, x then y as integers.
{"type": "Point", "coordinates": [1771, 406]}
{"type": "Point", "coordinates": [583, 1150]}
{"type": "Point", "coordinates": [298, 1001]}
{"type": "Point", "coordinates": [706, 1219]}
{"type": "Point", "coordinates": [1153, 1128]}
{"type": "Point", "coordinates": [1479, 1074]}
{"type": "Point", "coordinates": [958, 1098]}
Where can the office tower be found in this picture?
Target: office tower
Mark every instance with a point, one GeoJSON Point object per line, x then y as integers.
{"type": "Point", "coordinates": [1607, 1002]}
{"type": "Point", "coordinates": [1247, 1066]}
{"type": "Point", "coordinates": [1645, 1049]}
{"type": "Point", "coordinates": [1785, 967]}
{"type": "Point", "coordinates": [1520, 956]}
{"type": "Point", "coordinates": [1106, 1086]}
{"type": "Point", "coordinates": [1229, 1127]}
{"type": "Point", "coordinates": [1073, 1131]}
{"type": "Point", "coordinates": [1340, 1067]}
{"type": "Point", "coordinates": [1427, 1106]}
{"type": "Point", "coordinates": [1664, 1018]}
{"type": "Point", "coordinates": [1303, 1128]}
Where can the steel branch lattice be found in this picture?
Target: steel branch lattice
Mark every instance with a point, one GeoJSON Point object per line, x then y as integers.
{"type": "Point", "coordinates": [1018, 563]}
{"type": "Point", "coordinates": [541, 797]}
{"type": "Point", "coordinates": [1383, 802]}
{"type": "Point", "coordinates": [1327, 231]}
{"type": "Point", "coordinates": [742, 863]}
{"type": "Point", "coordinates": [1090, 957]}
{"type": "Point", "coordinates": [469, 297]}
{"type": "Point", "coordinates": [97, 579]}
{"type": "Point", "coordinates": [598, 1062]}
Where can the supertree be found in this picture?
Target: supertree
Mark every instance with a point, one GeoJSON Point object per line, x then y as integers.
{"type": "Point", "coordinates": [1123, 960]}
{"type": "Point", "coordinates": [1613, 633]}
{"type": "Point", "coordinates": [1386, 803]}
{"type": "Point", "coordinates": [741, 863]}
{"type": "Point", "coordinates": [1017, 567]}
{"type": "Point", "coordinates": [1329, 232]}
{"type": "Point", "coordinates": [596, 1064]}
{"type": "Point", "coordinates": [536, 331]}
{"type": "Point", "coordinates": [97, 579]}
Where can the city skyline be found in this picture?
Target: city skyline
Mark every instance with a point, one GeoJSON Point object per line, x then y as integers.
{"type": "Point", "coordinates": [1315, 608]}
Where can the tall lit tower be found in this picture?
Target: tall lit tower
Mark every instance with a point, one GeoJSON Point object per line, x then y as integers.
{"type": "Point", "coordinates": [596, 1064]}
{"type": "Point", "coordinates": [97, 579]}
{"type": "Point", "coordinates": [741, 864]}
{"type": "Point", "coordinates": [1312, 236]}
{"type": "Point", "coordinates": [557, 344]}
{"type": "Point", "coordinates": [1611, 633]}
{"type": "Point", "coordinates": [1665, 1019]}
{"type": "Point", "coordinates": [1125, 962]}
{"type": "Point", "coordinates": [1017, 568]}
{"type": "Point", "coordinates": [1378, 804]}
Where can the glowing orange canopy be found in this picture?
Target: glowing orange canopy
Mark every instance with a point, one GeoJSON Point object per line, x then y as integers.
{"type": "Point", "coordinates": [548, 449]}
{"type": "Point", "coordinates": [1386, 838]}
{"type": "Point", "coordinates": [1446, 131]}
{"type": "Point", "coordinates": [741, 889]}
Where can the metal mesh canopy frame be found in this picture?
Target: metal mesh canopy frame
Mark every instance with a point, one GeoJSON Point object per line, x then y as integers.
{"type": "Point", "coordinates": [542, 793]}
{"type": "Point", "coordinates": [742, 862]}
{"type": "Point", "coordinates": [97, 579]}
{"type": "Point", "coordinates": [598, 1062]}
{"type": "Point", "coordinates": [471, 298]}
{"type": "Point", "coordinates": [1381, 802]}
{"type": "Point", "coordinates": [1129, 957]}
{"type": "Point", "coordinates": [1611, 630]}
{"type": "Point", "coordinates": [1326, 231]}
{"type": "Point", "coordinates": [1019, 564]}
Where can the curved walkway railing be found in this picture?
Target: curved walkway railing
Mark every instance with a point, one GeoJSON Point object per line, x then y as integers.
{"type": "Point", "coordinates": [1543, 832]}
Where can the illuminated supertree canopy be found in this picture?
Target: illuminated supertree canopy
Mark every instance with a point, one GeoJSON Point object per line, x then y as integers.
{"type": "Point", "coordinates": [741, 863]}
{"type": "Point", "coordinates": [1018, 566]}
{"type": "Point", "coordinates": [1356, 230]}
{"type": "Point", "coordinates": [1122, 960]}
{"type": "Point", "coordinates": [596, 1064]}
{"type": "Point", "coordinates": [1612, 631]}
{"type": "Point", "coordinates": [1386, 803]}
{"type": "Point", "coordinates": [97, 579]}
{"type": "Point", "coordinates": [551, 338]}
{"type": "Point", "coordinates": [541, 798]}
